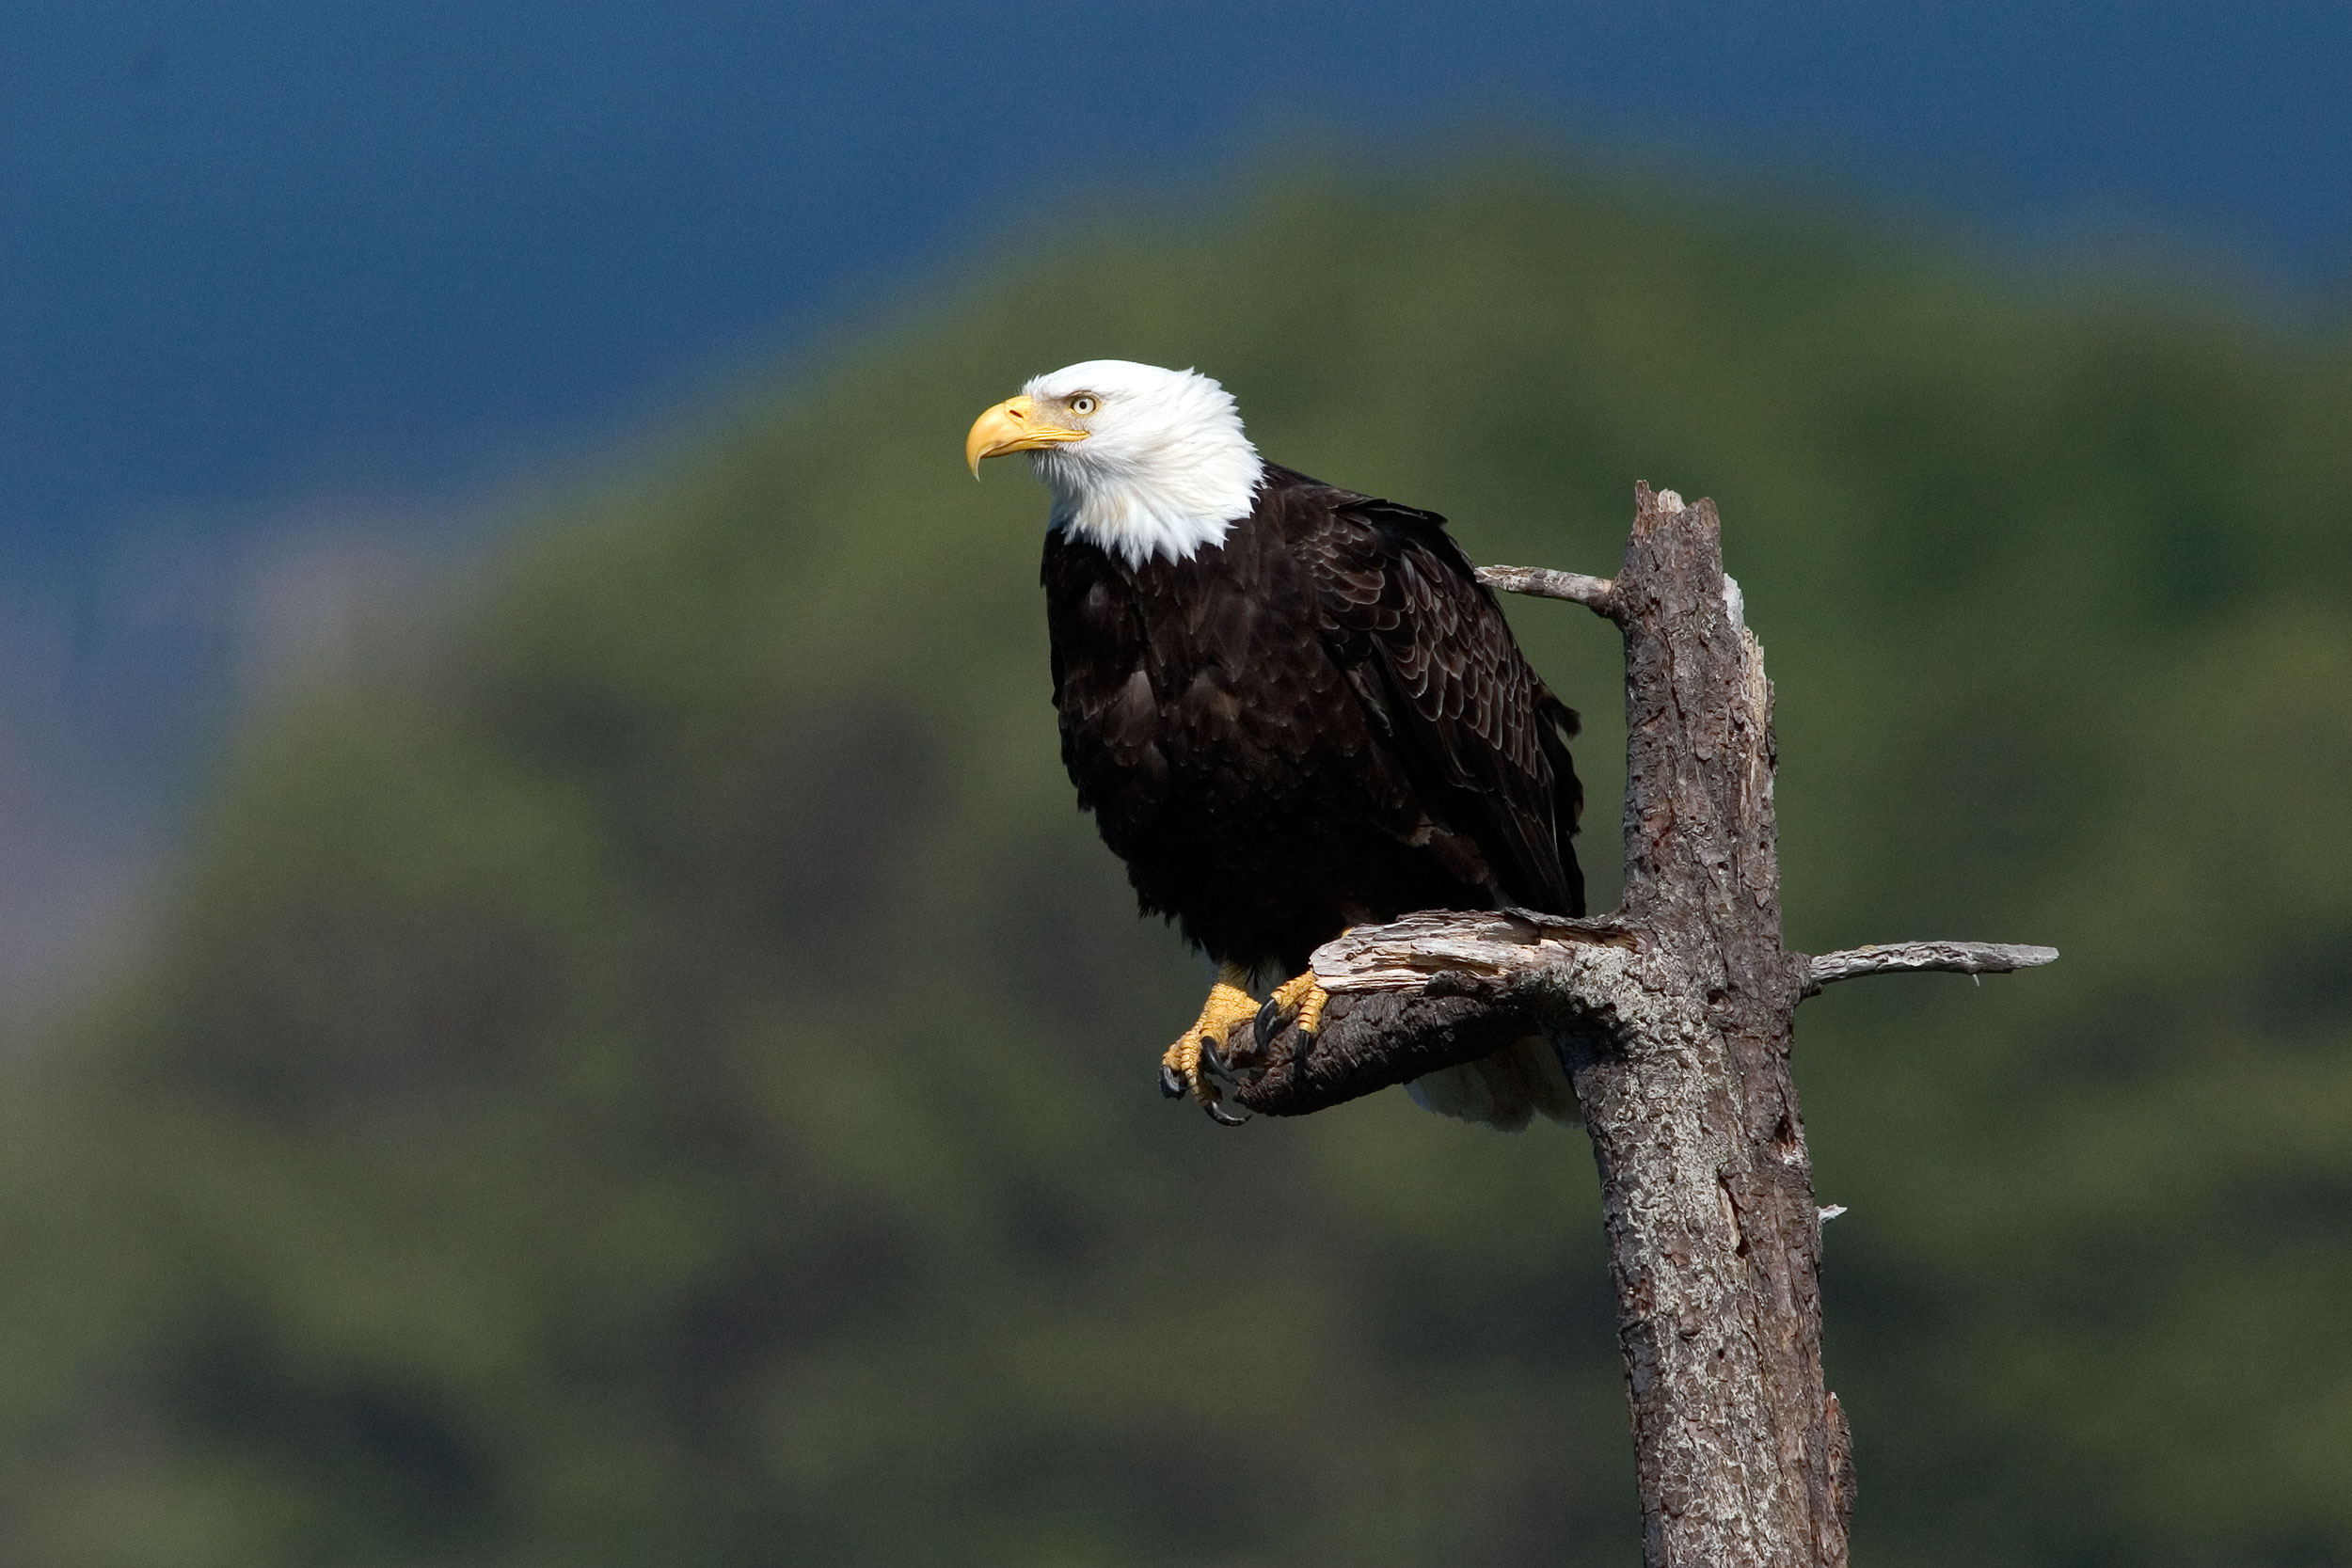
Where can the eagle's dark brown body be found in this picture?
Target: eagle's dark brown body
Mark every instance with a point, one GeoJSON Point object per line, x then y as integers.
{"type": "Point", "coordinates": [1323, 721]}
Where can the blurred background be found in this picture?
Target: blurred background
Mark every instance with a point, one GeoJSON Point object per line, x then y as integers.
{"type": "Point", "coordinates": [557, 1008]}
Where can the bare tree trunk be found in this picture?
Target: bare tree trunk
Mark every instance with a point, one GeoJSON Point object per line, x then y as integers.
{"type": "Point", "coordinates": [1673, 1016]}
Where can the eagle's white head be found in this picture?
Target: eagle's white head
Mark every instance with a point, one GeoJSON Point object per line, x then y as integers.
{"type": "Point", "coordinates": [1141, 461]}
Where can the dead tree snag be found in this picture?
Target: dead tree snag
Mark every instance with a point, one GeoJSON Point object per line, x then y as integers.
{"type": "Point", "coordinates": [1673, 1016]}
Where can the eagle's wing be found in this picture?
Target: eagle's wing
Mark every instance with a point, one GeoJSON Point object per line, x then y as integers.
{"type": "Point", "coordinates": [1445, 685]}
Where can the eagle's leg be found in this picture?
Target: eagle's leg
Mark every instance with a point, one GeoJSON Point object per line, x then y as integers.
{"type": "Point", "coordinates": [1299, 999]}
{"type": "Point", "coordinates": [1230, 1005]}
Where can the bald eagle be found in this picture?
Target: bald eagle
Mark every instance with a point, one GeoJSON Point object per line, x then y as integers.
{"type": "Point", "coordinates": [1291, 708]}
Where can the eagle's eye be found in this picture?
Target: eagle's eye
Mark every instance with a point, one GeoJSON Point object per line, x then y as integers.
{"type": "Point", "coordinates": [1081, 403]}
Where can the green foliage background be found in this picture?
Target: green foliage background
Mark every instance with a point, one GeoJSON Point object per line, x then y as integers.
{"type": "Point", "coordinates": [664, 1075]}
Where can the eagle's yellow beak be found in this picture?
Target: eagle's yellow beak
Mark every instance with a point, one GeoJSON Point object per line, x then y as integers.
{"type": "Point", "coordinates": [1012, 425]}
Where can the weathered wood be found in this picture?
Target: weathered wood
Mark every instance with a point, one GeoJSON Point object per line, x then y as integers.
{"type": "Point", "coordinates": [1912, 958]}
{"type": "Point", "coordinates": [1490, 945]}
{"type": "Point", "coordinates": [1374, 1041]}
{"type": "Point", "coordinates": [1544, 583]}
{"type": "Point", "coordinates": [1673, 1016]}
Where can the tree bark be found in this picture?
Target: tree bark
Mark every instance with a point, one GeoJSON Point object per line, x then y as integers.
{"type": "Point", "coordinates": [1674, 1018]}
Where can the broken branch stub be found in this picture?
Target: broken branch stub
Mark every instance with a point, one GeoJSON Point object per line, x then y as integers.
{"type": "Point", "coordinates": [1673, 1016]}
{"type": "Point", "coordinates": [1919, 958]}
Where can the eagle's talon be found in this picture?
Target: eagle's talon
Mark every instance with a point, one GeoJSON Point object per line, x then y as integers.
{"type": "Point", "coordinates": [1212, 1063]}
{"type": "Point", "coordinates": [1301, 1043]}
{"type": "Point", "coordinates": [1220, 1115]}
{"type": "Point", "coordinates": [1270, 1020]}
{"type": "Point", "coordinates": [1198, 1055]}
{"type": "Point", "coordinates": [1298, 1002]}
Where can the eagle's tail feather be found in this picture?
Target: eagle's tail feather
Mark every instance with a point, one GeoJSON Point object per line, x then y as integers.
{"type": "Point", "coordinates": [1503, 1090]}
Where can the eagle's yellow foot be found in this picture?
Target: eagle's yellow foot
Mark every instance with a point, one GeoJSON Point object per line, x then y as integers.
{"type": "Point", "coordinates": [1298, 999]}
{"type": "Point", "coordinates": [1230, 1005]}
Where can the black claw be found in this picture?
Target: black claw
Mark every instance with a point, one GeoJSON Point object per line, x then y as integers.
{"type": "Point", "coordinates": [1299, 1047]}
{"type": "Point", "coordinates": [1214, 1059]}
{"type": "Point", "coordinates": [1170, 1084]}
{"type": "Point", "coordinates": [1221, 1116]}
{"type": "Point", "coordinates": [1270, 1020]}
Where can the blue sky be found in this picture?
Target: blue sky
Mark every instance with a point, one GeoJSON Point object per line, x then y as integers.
{"type": "Point", "coordinates": [258, 250]}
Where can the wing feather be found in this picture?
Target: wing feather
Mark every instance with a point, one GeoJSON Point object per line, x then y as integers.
{"type": "Point", "coordinates": [1444, 683]}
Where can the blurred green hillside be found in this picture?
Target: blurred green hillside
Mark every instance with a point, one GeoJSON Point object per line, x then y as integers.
{"type": "Point", "coordinates": [664, 1076]}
